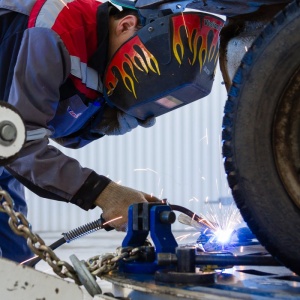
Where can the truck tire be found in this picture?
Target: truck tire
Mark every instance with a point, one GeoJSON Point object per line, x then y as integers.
{"type": "Point", "coordinates": [261, 137]}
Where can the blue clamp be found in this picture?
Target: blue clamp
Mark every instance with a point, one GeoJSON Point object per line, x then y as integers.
{"type": "Point", "coordinates": [143, 218]}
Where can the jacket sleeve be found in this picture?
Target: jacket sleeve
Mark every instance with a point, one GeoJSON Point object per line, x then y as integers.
{"type": "Point", "coordinates": [85, 135]}
{"type": "Point", "coordinates": [42, 66]}
{"type": "Point", "coordinates": [78, 139]}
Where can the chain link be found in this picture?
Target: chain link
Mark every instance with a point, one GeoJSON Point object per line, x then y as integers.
{"type": "Point", "coordinates": [102, 264]}
{"type": "Point", "coordinates": [20, 226]}
{"type": "Point", "coordinates": [97, 265]}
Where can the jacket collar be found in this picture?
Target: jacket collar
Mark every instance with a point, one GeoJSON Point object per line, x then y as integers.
{"type": "Point", "coordinates": [98, 60]}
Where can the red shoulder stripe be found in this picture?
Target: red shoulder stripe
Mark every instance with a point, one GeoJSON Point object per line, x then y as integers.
{"type": "Point", "coordinates": [35, 12]}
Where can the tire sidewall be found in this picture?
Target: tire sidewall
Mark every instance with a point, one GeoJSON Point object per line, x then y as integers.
{"type": "Point", "coordinates": [260, 194]}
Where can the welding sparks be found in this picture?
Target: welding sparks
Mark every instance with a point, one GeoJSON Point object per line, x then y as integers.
{"type": "Point", "coordinates": [182, 237]}
{"type": "Point", "coordinates": [160, 196]}
{"type": "Point", "coordinates": [226, 220]}
{"type": "Point", "coordinates": [185, 27]}
{"type": "Point", "coordinates": [27, 260]}
{"type": "Point", "coordinates": [193, 199]}
{"type": "Point", "coordinates": [226, 216]}
{"type": "Point", "coordinates": [147, 170]}
{"type": "Point", "coordinates": [64, 3]}
{"type": "Point", "coordinates": [217, 227]}
{"type": "Point", "coordinates": [112, 220]}
{"type": "Point", "coordinates": [205, 137]}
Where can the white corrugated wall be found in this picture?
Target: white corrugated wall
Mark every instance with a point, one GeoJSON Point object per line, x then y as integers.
{"type": "Point", "coordinates": [178, 159]}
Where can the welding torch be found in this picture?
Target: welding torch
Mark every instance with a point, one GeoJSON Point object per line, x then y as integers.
{"type": "Point", "coordinates": [194, 217]}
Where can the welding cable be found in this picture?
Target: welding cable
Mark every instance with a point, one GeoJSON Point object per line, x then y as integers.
{"type": "Point", "coordinates": [31, 262]}
{"type": "Point", "coordinates": [70, 236]}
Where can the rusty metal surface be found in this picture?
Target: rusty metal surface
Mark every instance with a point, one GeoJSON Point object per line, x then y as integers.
{"type": "Point", "coordinates": [235, 40]}
{"type": "Point", "coordinates": [287, 138]}
{"type": "Point", "coordinates": [238, 34]}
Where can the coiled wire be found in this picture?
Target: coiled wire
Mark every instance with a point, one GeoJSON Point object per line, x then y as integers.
{"type": "Point", "coordinates": [78, 232]}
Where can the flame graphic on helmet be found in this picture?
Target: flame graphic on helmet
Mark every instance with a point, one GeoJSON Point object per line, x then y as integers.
{"type": "Point", "coordinates": [130, 59]}
{"type": "Point", "coordinates": [194, 37]}
{"type": "Point", "coordinates": [190, 25]}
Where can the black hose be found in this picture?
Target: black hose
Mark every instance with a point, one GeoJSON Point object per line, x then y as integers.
{"type": "Point", "coordinates": [34, 260]}
{"type": "Point", "coordinates": [70, 236]}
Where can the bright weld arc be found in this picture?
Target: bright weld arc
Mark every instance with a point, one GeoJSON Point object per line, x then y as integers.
{"type": "Point", "coordinates": [224, 235]}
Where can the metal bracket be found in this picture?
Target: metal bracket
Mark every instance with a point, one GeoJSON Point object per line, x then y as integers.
{"type": "Point", "coordinates": [142, 219]}
{"type": "Point", "coordinates": [85, 277]}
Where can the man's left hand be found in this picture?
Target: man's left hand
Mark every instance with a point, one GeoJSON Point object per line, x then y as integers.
{"type": "Point", "coordinates": [117, 122]}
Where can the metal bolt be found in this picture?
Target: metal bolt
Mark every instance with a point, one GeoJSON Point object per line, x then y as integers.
{"type": "Point", "coordinates": [8, 131]}
{"type": "Point", "coordinates": [167, 217]}
{"type": "Point", "coordinates": [186, 260]}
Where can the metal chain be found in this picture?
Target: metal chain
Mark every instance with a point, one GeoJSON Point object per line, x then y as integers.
{"type": "Point", "coordinates": [20, 226]}
{"type": "Point", "coordinates": [97, 265]}
{"type": "Point", "coordinates": [102, 264]}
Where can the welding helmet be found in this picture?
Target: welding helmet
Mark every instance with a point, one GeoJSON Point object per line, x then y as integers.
{"type": "Point", "coordinates": [168, 63]}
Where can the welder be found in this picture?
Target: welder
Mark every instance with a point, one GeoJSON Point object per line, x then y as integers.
{"type": "Point", "coordinates": [53, 56]}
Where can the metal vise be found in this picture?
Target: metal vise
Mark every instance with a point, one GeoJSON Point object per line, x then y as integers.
{"type": "Point", "coordinates": [142, 219]}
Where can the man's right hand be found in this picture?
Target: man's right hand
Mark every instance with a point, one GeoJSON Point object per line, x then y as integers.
{"type": "Point", "coordinates": [115, 200]}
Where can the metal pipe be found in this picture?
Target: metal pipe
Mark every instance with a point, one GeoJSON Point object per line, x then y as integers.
{"type": "Point", "coordinates": [164, 259]}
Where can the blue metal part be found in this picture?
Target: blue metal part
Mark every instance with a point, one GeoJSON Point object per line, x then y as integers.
{"type": "Point", "coordinates": [136, 235]}
{"type": "Point", "coordinates": [160, 232]}
{"type": "Point", "coordinates": [145, 218]}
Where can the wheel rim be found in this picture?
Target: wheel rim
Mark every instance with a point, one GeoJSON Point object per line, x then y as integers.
{"type": "Point", "coordinates": [286, 138]}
